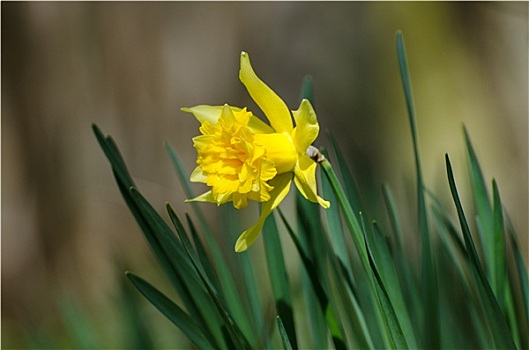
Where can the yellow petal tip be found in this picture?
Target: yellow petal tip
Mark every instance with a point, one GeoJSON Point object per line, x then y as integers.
{"type": "Point", "coordinates": [241, 246]}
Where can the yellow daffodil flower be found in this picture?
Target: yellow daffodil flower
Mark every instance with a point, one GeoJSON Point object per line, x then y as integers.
{"type": "Point", "coordinates": [242, 158]}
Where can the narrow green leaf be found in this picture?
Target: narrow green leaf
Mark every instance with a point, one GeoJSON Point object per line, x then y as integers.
{"type": "Point", "coordinates": [172, 311]}
{"type": "Point", "coordinates": [284, 334]}
{"type": "Point", "coordinates": [482, 204]}
{"type": "Point", "coordinates": [458, 258]}
{"type": "Point", "coordinates": [351, 188]}
{"type": "Point", "coordinates": [132, 320]}
{"type": "Point", "coordinates": [429, 290]}
{"type": "Point", "coordinates": [347, 210]}
{"type": "Point", "coordinates": [391, 207]}
{"type": "Point", "coordinates": [320, 253]}
{"type": "Point", "coordinates": [308, 218]}
{"type": "Point", "coordinates": [334, 223]}
{"type": "Point", "coordinates": [446, 222]}
{"type": "Point", "coordinates": [112, 153]}
{"type": "Point", "coordinates": [498, 274]}
{"type": "Point", "coordinates": [249, 287]}
{"type": "Point", "coordinates": [279, 279]}
{"type": "Point", "coordinates": [342, 270]}
{"type": "Point", "coordinates": [323, 300]}
{"type": "Point", "coordinates": [386, 269]}
{"type": "Point", "coordinates": [125, 182]}
{"type": "Point", "coordinates": [518, 289]}
{"type": "Point", "coordinates": [165, 238]}
{"type": "Point", "coordinates": [181, 269]}
{"type": "Point", "coordinates": [331, 272]}
{"type": "Point", "coordinates": [401, 254]}
{"type": "Point", "coordinates": [343, 295]}
{"type": "Point", "coordinates": [249, 290]}
{"type": "Point", "coordinates": [318, 331]}
{"type": "Point", "coordinates": [392, 321]}
{"type": "Point", "coordinates": [182, 233]}
{"type": "Point", "coordinates": [496, 320]}
{"type": "Point", "coordinates": [202, 254]}
{"type": "Point", "coordinates": [252, 287]}
{"type": "Point", "coordinates": [236, 335]}
{"type": "Point", "coordinates": [165, 245]}
{"type": "Point", "coordinates": [450, 239]}
{"type": "Point", "coordinates": [330, 268]}
{"type": "Point", "coordinates": [462, 318]}
{"type": "Point", "coordinates": [521, 270]}
{"type": "Point", "coordinates": [357, 235]}
{"type": "Point", "coordinates": [309, 222]}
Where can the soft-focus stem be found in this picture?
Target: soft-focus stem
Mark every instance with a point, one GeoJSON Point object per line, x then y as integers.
{"type": "Point", "coordinates": [350, 218]}
{"type": "Point", "coordinates": [360, 244]}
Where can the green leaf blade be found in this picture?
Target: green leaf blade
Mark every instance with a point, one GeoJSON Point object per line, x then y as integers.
{"type": "Point", "coordinates": [499, 272]}
{"type": "Point", "coordinates": [284, 335]}
{"type": "Point", "coordinates": [323, 300]}
{"type": "Point", "coordinates": [279, 279]}
{"type": "Point", "coordinates": [172, 311]}
{"type": "Point", "coordinates": [397, 336]}
{"type": "Point", "coordinates": [237, 337]}
{"type": "Point", "coordinates": [429, 290]}
{"type": "Point", "coordinates": [495, 318]}
{"type": "Point", "coordinates": [482, 203]}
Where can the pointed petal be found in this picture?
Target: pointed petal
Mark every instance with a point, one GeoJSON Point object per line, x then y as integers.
{"type": "Point", "coordinates": [272, 105]}
{"type": "Point", "coordinates": [258, 126]}
{"type": "Point", "coordinates": [305, 180]}
{"type": "Point", "coordinates": [239, 200]}
{"type": "Point", "coordinates": [198, 175]}
{"type": "Point", "coordinates": [204, 112]}
{"type": "Point", "coordinates": [227, 114]}
{"type": "Point", "coordinates": [307, 127]}
{"type": "Point", "coordinates": [201, 140]}
{"type": "Point", "coordinates": [204, 197]}
{"type": "Point", "coordinates": [281, 185]}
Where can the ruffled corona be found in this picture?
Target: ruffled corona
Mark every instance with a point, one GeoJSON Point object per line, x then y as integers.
{"type": "Point", "coordinates": [236, 162]}
{"type": "Point", "coordinates": [241, 158]}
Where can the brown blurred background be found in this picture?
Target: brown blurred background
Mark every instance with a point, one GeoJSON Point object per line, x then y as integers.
{"type": "Point", "coordinates": [130, 67]}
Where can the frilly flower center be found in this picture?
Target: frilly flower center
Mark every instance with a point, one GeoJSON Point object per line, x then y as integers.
{"type": "Point", "coordinates": [237, 162]}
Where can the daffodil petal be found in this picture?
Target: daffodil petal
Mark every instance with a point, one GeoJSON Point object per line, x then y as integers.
{"type": "Point", "coordinates": [272, 105]}
{"type": "Point", "coordinates": [305, 180]}
{"type": "Point", "coordinates": [307, 128]}
{"type": "Point", "coordinates": [227, 114]}
{"type": "Point", "coordinates": [205, 112]}
{"type": "Point", "coordinates": [258, 126]}
{"type": "Point", "coordinates": [204, 197]}
{"type": "Point", "coordinates": [198, 175]}
{"type": "Point", "coordinates": [281, 185]}
{"type": "Point", "coordinates": [212, 113]}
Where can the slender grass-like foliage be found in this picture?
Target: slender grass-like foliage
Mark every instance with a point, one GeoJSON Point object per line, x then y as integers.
{"type": "Point", "coordinates": [357, 286]}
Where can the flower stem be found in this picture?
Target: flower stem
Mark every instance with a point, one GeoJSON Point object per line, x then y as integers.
{"type": "Point", "coordinates": [350, 218]}
{"type": "Point", "coordinates": [392, 334]}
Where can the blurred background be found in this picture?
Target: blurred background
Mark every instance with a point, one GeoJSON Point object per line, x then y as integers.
{"type": "Point", "coordinates": [67, 236]}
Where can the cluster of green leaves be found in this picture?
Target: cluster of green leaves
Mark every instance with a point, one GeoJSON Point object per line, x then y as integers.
{"type": "Point", "coordinates": [359, 286]}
